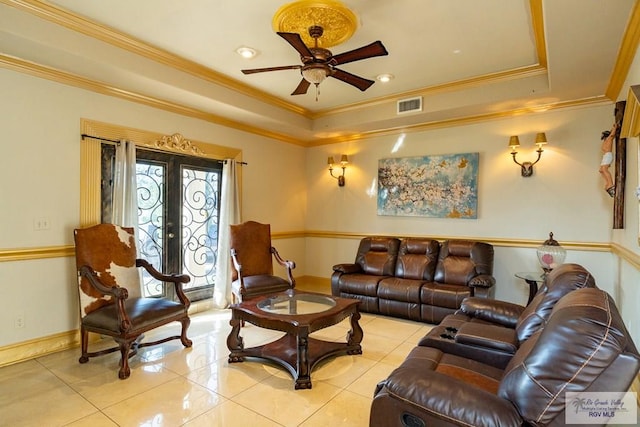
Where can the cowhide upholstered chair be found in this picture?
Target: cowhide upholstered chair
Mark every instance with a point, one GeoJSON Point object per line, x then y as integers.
{"type": "Point", "coordinates": [111, 301]}
{"type": "Point", "coordinates": [252, 262]}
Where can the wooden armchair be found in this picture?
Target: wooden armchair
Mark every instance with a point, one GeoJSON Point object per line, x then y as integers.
{"type": "Point", "coordinates": [252, 261]}
{"type": "Point", "coordinates": [111, 301]}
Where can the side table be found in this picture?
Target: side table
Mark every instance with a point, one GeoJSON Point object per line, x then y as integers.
{"type": "Point", "coordinates": [532, 279]}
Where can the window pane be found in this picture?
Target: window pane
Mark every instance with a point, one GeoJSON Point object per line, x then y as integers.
{"type": "Point", "coordinates": [200, 207]}
{"type": "Point", "coordinates": [151, 183]}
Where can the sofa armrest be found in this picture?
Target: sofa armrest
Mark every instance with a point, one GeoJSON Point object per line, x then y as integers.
{"type": "Point", "coordinates": [501, 312]}
{"type": "Point", "coordinates": [438, 399]}
{"type": "Point", "coordinates": [493, 337]}
{"type": "Point", "coordinates": [338, 271]}
{"type": "Point", "coordinates": [482, 281]}
{"type": "Point", "coordinates": [347, 268]}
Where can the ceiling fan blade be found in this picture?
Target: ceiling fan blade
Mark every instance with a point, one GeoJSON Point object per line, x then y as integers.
{"type": "Point", "coordinates": [374, 49]}
{"type": "Point", "coordinates": [302, 88]}
{"type": "Point", "coordinates": [295, 40]}
{"type": "Point", "coordinates": [262, 70]}
{"type": "Point", "coordinates": [357, 81]}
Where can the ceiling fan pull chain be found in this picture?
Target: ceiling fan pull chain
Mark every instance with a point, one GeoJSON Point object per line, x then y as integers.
{"type": "Point", "coordinates": [317, 91]}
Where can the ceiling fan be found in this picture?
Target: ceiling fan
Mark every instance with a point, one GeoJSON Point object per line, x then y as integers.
{"type": "Point", "coordinates": [319, 63]}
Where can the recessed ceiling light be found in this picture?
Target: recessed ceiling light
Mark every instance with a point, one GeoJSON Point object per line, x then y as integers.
{"type": "Point", "coordinates": [384, 78]}
{"type": "Point", "coordinates": [246, 52]}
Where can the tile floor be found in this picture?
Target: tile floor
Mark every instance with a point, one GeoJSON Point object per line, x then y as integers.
{"type": "Point", "coordinates": [174, 386]}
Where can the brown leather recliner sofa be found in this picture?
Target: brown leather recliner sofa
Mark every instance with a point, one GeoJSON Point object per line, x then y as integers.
{"type": "Point", "coordinates": [584, 347]}
{"type": "Point", "coordinates": [490, 331]}
{"type": "Point", "coordinates": [415, 278]}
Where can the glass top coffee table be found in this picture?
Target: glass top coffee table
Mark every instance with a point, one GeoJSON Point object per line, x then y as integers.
{"type": "Point", "coordinates": [298, 314]}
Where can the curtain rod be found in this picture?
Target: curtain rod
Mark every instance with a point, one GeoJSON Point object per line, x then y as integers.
{"type": "Point", "coordinates": [84, 135]}
{"type": "Point", "coordinates": [240, 163]}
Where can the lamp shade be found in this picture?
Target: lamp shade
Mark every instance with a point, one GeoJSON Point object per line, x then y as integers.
{"type": "Point", "coordinates": [314, 73]}
{"type": "Point", "coordinates": [541, 138]}
{"type": "Point", "coordinates": [330, 161]}
{"type": "Point", "coordinates": [514, 142]}
{"type": "Point", "coordinates": [344, 159]}
{"type": "Point", "coordinates": [551, 254]}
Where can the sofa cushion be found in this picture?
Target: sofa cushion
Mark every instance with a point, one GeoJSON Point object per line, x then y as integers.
{"type": "Point", "coordinates": [397, 289]}
{"type": "Point", "coordinates": [401, 309]}
{"type": "Point", "coordinates": [561, 281]}
{"type": "Point", "coordinates": [360, 284]}
{"type": "Point", "coordinates": [443, 295]}
{"type": "Point", "coordinates": [417, 259]}
{"type": "Point", "coordinates": [467, 370]}
{"type": "Point", "coordinates": [461, 260]}
{"type": "Point", "coordinates": [432, 388]}
{"type": "Point", "coordinates": [377, 255]}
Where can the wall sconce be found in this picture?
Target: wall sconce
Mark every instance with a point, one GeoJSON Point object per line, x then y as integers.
{"type": "Point", "coordinates": [527, 167]}
{"type": "Point", "coordinates": [343, 164]}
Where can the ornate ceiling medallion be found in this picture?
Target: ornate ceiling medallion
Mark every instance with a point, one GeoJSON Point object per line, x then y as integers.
{"type": "Point", "coordinates": [339, 23]}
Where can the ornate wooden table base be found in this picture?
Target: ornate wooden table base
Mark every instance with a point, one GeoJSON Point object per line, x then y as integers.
{"type": "Point", "coordinates": [295, 351]}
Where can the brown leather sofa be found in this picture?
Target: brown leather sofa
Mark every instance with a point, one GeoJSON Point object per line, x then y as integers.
{"type": "Point", "coordinates": [490, 331]}
{"type": "Point", "coordinates": [584, 347]}
{"type": "Point", "coordinates": [415, 278]}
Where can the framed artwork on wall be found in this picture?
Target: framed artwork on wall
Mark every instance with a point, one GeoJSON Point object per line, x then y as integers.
{"type": "Point", "coordinates": [439, 186]}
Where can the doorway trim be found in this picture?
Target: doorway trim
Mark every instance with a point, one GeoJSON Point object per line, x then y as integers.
{"type": "Point", "coordinates": [90, 168]}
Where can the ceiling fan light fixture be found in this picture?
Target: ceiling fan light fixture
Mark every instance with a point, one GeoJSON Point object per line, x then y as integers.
{"type": "Point", "coordinates": [384, 78]}
{"type": "Point", "coordinates": [246, 52]}
{"type": "Point", "coordinates": [315, 73]}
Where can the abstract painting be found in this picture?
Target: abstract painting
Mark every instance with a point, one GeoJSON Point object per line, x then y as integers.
{"type": "Point", "coordinates": [439, 186]}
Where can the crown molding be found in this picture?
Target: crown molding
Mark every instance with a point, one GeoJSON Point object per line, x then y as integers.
{"type": "Point", "coordinates": [628, 49]}
{"type": "Point", "coordinates": [64, 77]}
{"type": "Point", "coordinates": [124, 41]}
{"type": "Point", "coordinates": [129, 43]}
{"type": "Point", "coordinates": [460, 121]}
{"type": "Point", "coordinates": [517, 73]}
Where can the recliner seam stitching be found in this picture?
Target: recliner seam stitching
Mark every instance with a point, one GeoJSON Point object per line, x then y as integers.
{"type": "Point", "coordinates": [428, 409]}
{"type": "Point", "coordinates": [593, 353]}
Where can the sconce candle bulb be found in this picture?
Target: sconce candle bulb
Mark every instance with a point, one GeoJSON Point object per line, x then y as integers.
{"type": "Point", "coordinates": [344, 160]}
{"type": "Point", "coordinates": [526, 168]}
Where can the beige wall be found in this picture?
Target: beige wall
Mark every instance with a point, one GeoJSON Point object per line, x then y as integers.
{"type": "Point", "coordinates": [39, 177]}
{"type": "Point", "coordinates": [627, 276]}
{"type": "Point", "coordinates": [289, 187]}
{"type": "Point", "coordinates": [564, 195]}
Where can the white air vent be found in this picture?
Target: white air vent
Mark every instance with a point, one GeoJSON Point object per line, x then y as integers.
{"type": "Point", "coordinates": [410, 105]}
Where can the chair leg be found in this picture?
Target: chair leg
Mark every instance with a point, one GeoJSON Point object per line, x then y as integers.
{"type": "Point", "coordinates": [84, 345]}
{"type": "Point", "coordinates": [183, 336]}
{"type": "Point", "coordinates": [125, 348]}
{"type": "Point", "coordinates": [237, 299]}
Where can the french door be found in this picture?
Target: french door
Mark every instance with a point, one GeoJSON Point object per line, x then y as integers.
{"type": "Point", "coordinates": [178, 213]}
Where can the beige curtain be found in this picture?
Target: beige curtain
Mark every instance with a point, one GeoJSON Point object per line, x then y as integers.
{"type": "Point", "coordinates": [229, 214]}
{"type": "Point", "coordinates": [125, 197]}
